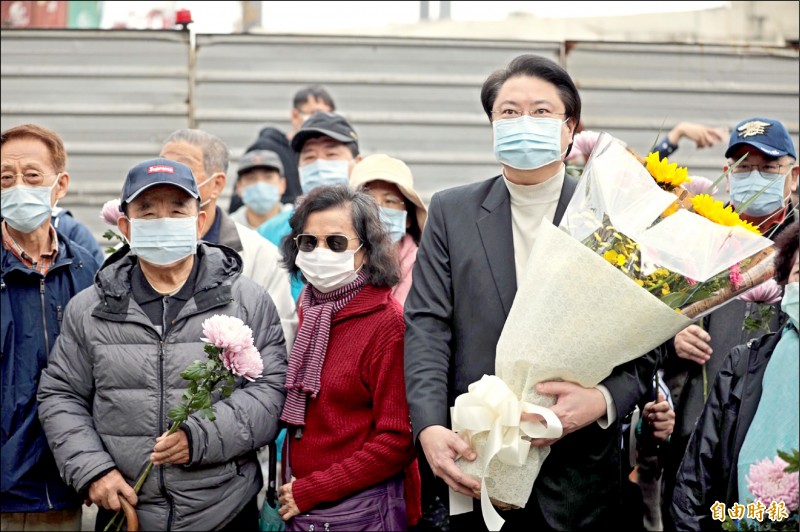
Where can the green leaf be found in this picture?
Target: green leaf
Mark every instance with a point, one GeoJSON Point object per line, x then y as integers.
{"type": "Point", "coordinates": [195, 371]}
{"type": "Point", "coordinates": [205, 398]}
{"type": "Point", "coordinates": [793, 460]}
{"type": "Point", "coordinates": [178, 413]}
{"type": "Point", "coordinates": [212, 351]}
{"type": "Point", "coordinates": [207, 413]}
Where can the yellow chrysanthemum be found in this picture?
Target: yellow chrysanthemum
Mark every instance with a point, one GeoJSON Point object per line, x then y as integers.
{"type": "Point", "coordinates": [617, 259]}
{"type": "Point", "coordinates": [665, 289]}
{"type": "Point", "coordinates": [667, 175]}
{"type": "Point", "coordinates": [717, 212]}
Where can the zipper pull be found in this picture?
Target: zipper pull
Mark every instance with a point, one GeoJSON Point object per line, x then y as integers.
{"type": "Point", "coordinates": [41, 286]}
{"type": "Point", "coordinates": [59, 314]}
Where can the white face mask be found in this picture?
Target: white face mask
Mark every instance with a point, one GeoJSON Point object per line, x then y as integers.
{"type": "Point", "coordinates": [25, 208]}
{"type": "Point", "coordinates": [327, 270]}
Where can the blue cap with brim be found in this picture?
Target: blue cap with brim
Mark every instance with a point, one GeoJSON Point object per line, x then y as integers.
{"type": "Point", "coordinates": [769, 136]}
{"type": "Point", "coordinates": [158, 172]}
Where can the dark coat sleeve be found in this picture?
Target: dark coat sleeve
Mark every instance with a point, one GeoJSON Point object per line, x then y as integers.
{"type": "Point", "coordinates": [701, 479]}
{"type": "Point", "coordinates": [429, 320]}
{"type": "Point", "coordinates": [631, 382]}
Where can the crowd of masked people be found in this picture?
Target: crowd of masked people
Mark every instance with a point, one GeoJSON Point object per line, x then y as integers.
{"type": "Point", "coordinates": [372, 310]}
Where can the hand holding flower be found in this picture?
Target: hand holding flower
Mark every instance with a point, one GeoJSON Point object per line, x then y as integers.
{"type": "Point", "coordinates": [171, 449]}
{"type": "Point", "coordinates": [692, 343]}
{"type": "Point", "coordinates": [230, 354]}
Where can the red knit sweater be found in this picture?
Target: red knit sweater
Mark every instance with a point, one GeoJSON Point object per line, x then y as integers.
{"type": "Point", "coordinates": [358, 429]}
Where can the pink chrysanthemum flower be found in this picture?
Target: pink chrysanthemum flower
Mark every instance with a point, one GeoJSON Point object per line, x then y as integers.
{"type": "Point", "coordinates": [227, 333]}
{"type": "Point", "coordinates": [769, 482]}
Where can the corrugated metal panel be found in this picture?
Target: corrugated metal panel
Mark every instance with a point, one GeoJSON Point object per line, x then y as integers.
{"type": "Point", "coordinates": [416, 99]}
{"type": "Point", "coordinates": [115, 95]}
{"type": "Point", "coordinates": [634, 90]}
{"type": "Point", "coordinates": [112, 95]}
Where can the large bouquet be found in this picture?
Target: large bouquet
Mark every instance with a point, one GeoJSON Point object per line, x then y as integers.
{"type": "Point", "coordinates": [635, 260]}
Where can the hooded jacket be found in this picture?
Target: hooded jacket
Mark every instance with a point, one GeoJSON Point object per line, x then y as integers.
{"type": "Point", "coordinates": [31, 314]}
{"type": "Point", "coordinates": [709, 472]}
{"type": "Point", "coordinates": [113, 378]}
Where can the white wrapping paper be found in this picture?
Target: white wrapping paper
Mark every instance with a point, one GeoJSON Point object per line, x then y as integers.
{"type": "Point", "coordinates": [574, 318]}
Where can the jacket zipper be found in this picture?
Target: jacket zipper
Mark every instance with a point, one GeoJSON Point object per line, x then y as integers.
{"type": "Point", "coordinates": [44, 319]}
{"type": "Point", "coordinates": [161, 430]}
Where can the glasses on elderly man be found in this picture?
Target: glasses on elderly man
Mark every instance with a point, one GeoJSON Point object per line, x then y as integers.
{"type": "Point", "coordinates": [31, 177]}
{"type": "Point", "coordinates": [767, 168]}
{"type": "Point", "coordinates": [336, 243]}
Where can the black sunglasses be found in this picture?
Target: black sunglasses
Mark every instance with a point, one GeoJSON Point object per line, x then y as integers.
{"type": "Point", "coordinates": [336, 243]}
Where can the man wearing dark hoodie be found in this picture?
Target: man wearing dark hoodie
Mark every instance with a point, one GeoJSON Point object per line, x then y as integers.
{"type": "Point", "coordinates": [307, 101]}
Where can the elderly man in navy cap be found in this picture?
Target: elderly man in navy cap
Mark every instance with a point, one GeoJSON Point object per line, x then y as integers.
{"type": "Point", "coordinates": [763, 191]}
{"type": "Point", "coordinates": [115, 370]}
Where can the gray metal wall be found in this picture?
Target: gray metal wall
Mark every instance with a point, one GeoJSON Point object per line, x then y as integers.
{"type": "Point", "coordinates": [112, 95]}
{"type": "Point", "coordinates": [115, 95]}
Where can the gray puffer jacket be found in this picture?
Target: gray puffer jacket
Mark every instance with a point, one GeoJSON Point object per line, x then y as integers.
{"type": "Point", "coordinates": [111, 380]}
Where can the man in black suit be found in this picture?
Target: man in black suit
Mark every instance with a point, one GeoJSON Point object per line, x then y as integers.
{"type": "Point", "coordinates": [473, 254]}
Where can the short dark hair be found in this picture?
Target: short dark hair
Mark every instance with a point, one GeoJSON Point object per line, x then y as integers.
{"type": "Point", "coordinates": [380, 263]}
{"type": "Point", "coordinates": [787, 244]}
{"type": "Point", "coordinates": [313, 91]}
{"type": "Point", "coordinates": [536, 67]}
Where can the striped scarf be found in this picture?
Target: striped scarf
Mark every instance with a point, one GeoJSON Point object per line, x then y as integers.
{"type": "Point", "coordinates": [310, 345]}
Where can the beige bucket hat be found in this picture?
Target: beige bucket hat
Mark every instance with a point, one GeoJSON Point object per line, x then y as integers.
{"type": "Point", "coordinates": [380, 167]}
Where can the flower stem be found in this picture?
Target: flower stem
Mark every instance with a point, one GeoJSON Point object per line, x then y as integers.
{"type": "Point", "coordinates": [705, 371]}
{"type": "Point", "coordinates": [138, 486]}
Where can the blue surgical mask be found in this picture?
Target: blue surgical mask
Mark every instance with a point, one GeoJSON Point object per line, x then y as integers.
{"type": "Point", "coordinates": [395, 222]}
{"type": "Point", "coordinates": [260, 197]}
{"type": "Point", "coordinates": [744, 186]}
{"type": "Point", "coordinates": [790, 303]}
{"type": "Point", "coordinates": [163, 241]}
{"type": "Point", "coordinates": [26, 208]}
{"type": "Point", "coordinates": [527, 143]}
{"type": "Point", "coordinates": [324, 172]}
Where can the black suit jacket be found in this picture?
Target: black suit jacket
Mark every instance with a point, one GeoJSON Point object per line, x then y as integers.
{"type": "Point", "coordinates": [464, 283]}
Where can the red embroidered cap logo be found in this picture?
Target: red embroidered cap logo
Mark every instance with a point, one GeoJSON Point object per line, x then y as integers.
{"type": "Point", "coordinates": [160, 169]}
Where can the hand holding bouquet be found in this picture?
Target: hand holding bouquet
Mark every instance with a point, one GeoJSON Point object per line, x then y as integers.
{"type": "Point", "coordinates": [635, 259]}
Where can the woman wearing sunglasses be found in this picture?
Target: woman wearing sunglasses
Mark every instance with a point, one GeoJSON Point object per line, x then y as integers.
{"type": "Point", "coordinates": [349, 433]}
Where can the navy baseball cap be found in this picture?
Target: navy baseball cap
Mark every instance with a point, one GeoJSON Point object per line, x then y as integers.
{"type": "Point", "coordinates": [158, 172]}
{"type": "Point", "coordinates": [331, 125]}
{"type": "Point", "coordinates": [769, 136]}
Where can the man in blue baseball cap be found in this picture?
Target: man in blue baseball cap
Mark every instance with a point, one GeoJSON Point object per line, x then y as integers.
{"type": "Point", "coordinates": [115, 370]}
{"type": "Point", "coordinates": [763, 187]}
{"type": "Point", "coordinates": [763, 191]}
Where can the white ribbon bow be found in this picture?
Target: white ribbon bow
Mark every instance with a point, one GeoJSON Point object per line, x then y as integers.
{"type": "Point", "coordinates": [490, 406]}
